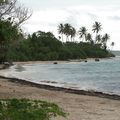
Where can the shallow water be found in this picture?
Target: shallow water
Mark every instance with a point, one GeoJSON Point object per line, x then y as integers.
{"type": "Point", "coordinates": [101, 76]}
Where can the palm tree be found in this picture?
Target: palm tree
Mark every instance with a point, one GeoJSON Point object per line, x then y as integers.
{"type": "Point", "coordinates": [89, 37]}
{"type": "Point", "coordinates": [72, 33]}
{"type": "Point", "coordinates": [98, 38]}
{"type": "Point", "coordinates": [112, 44]}
{"type": "Point", "coordinates": [82, 32]}
{"type": "Point", "coordinates": [67, 28]}
{"type": "Point", "coordinates": [61, 30]}
{"type": "Point", "coordinates": [104, 46]}
{"type": "Point", "coordinates": [96, 27]}
{"type": "Point", "coordinates": [105, 38]}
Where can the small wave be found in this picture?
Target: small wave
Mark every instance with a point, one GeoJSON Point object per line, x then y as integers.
{"type": "Point", "coordinates": [19, 68]}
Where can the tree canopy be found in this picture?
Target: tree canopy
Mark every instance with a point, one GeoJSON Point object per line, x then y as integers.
{"type": "Point", "coordinates": [11, 17]}
{"type": "Point", "coordinates": [40, 45]}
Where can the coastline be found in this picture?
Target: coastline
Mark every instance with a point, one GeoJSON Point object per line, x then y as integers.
{"type": "Point", "coordinates": [61, 61]}
{"type": "Point", "coordinates": [63, 89]}
{"type": "Point", "coordinates": [79, 105]}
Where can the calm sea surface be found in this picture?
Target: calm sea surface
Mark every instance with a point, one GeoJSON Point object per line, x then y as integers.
{"type": "Point", "coordinates": [101, 76]}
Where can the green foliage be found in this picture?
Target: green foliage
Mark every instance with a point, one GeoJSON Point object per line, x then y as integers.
{"type": "Point", "coordinates": [24, 109]}
{"type": "Point", "coordinates": [67, 30]}
{"type": "Point", "coordinates": [9, 34]}
{"type": "Point", "coordinates": [45, 46]}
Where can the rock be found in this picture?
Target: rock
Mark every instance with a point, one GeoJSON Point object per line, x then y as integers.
{"type": "Point", "coordinates": [97, 59]}
{"type": "Point", "coordinates": [55, 63]}
{"type": "Point", "coordinates": [5, 65]}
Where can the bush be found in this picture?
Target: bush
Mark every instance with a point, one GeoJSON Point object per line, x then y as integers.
{"type": "Point", "coordinates": [24, 109]}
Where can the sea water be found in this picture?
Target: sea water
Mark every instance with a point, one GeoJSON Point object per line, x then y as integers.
{"type": "Point", "coordinates": [103, 76]}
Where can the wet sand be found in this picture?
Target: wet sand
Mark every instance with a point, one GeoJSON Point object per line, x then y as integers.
{"type": "Point", "coordinates": [78, 107]}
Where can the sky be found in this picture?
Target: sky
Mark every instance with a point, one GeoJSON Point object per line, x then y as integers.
{"type": "Point", "coordinates": [48, 14]}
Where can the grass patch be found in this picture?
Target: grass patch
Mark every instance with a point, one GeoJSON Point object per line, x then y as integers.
{"type": "Point", "coordinates": [24, 109]}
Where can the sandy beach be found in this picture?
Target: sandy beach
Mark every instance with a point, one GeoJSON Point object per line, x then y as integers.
{"type": "Point", "coordinates": [78, 107]}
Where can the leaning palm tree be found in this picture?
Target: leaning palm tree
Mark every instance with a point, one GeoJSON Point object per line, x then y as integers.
{"type": "Point", "coordinates": [72, 33]}
{"type": "Point", "coordinates": [67, 28]}
{"type": "Point", "coordinates": [61, 30]}
{"type": "Point", "coordinates": [89, 37]}
{"type": "Point", "coordinates": [96, 27]}
{"type": "Point", "coordinates": [105, 38]}
{"type": "Point", "coordinates": [98, 39]}
{"type": "Point", "coordinates": [82, 32]}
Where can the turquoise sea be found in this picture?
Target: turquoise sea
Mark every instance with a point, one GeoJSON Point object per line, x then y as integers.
{"type": "Point", "coordinates": [103, 76]}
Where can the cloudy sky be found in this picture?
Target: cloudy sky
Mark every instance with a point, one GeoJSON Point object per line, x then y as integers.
{"type": "Point", "coordinates": [47, 14]}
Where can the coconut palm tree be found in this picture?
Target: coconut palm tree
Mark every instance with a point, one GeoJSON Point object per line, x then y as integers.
{"type": "Point", "coordinates": [98, 39]}
{"type": "Point", "coordinates": [105, 38]}
{"type": "Point", "coordinates": [89, 37]}
{"type": "Point", "coordinates": [72, 33]}
{"type": "Point", "coordinates": [104, 46]}
{"type": "Point", "coordinates": [82, 32]}
{"type": "Point", "coordinates": [96, 27]}
{"type": "Point", "coordinates": [67, 28]}
{"type": "Point", "coordinates": [61, 30]}
{"type": "Point", "coordinates": [112, 44]}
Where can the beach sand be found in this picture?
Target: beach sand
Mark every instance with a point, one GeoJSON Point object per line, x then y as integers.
{"type": "Point", "coordinates": [78, 107]}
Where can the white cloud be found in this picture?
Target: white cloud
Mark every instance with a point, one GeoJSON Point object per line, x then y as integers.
{"type": "Point", "coordinates": [78, 15]}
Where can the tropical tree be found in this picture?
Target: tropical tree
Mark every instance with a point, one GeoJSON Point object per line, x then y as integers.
{"type": "Point", "coordinates": [67, 28]}
{"type": "Point", "coordinates": [61, 30]}
{"type": "Point", "coordinates": [96, 28]}
{"type": "Point", "coordinates": [89, 37]}
{"type": "Point", "coordinates": [98, 39]}
{"type": "Point", "coordinates": [72, 33]}
{"type": "Point", "coordinates": [112, 44]}
{"type": "Point", "coordinates": [83, 32]}
{"type": "Point", "coordinates": [105, 38]}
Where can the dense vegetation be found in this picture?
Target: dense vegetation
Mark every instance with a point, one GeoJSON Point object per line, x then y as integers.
{"type": "Point", "coordinates": [44, 46]}
{"type": "Point", "coordinates": [14, 46]}
{"type": "Point", "coordinates": [28, 110]}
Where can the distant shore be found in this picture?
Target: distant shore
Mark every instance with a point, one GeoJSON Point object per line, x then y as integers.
{"type": "Point", "coordinates": [79, 104]}
{"type": "Point", "coordinates": [60, 61]}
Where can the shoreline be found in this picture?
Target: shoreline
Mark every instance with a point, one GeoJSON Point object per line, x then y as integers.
{"type": "Point", "coordinates": [61, 61]}
{"type": "Point", "coordinates": [60, 88]}
{"type": "Point", "coordinates": [63, 89]}
{"type": "Point", "coordinates": [78, 105]}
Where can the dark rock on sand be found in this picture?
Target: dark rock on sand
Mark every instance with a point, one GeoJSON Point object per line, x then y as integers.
{"type": "Point", "coordinates": [97, 59]}
{"type": "Point", "coordinates": [55, 63]}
